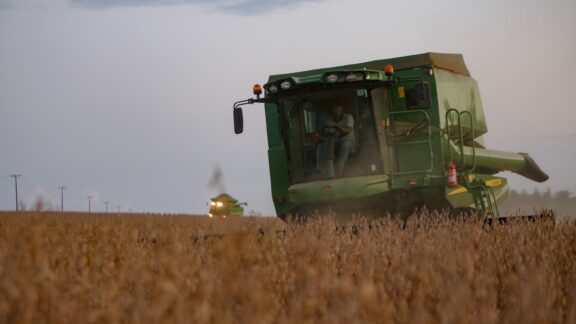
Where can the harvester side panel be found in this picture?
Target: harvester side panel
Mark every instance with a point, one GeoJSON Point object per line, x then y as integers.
{"type": "Point", "coordinates": [460, 92]}
{"type": "Point", "coordinates": [277, 160]}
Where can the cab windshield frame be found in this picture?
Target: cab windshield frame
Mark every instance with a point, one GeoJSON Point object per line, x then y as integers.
{"type": "Point", "coordinates": [302, 116]}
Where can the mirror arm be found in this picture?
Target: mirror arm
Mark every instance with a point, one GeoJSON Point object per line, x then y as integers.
{"type": "Point", "coordinates": [238, 119]}
{"type": "Point", "coordinates": [250, 101]}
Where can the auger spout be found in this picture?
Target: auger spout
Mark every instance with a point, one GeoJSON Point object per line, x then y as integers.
{"type": "Point", "coordinates": [496, 161]}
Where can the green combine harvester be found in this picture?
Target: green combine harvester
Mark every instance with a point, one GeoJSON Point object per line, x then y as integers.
{"type": "Point", "coordinates": [224, 205]}
{"type": "Point", "coordinates": [383, 136]}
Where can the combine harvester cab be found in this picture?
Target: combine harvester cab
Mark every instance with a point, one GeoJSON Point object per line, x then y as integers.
{"type": "Point", "coordinates": [224, 205]}
{"type": "Point", "coordinates": [409, 134]}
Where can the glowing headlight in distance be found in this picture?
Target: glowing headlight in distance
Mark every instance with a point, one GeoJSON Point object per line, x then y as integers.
{"type": "Point", "coordinates": [210, 215]}
{"type": "Point", "coordinates": [332, 78]}
{"type": "Point", "coordinates": [219, 204]}
{"type": "Point", "coordinates": [273, 89]}
{"type": "Point", "coordinates": [212, 203]}
{"type": "Point", "coordinates": [285, 85]}
{"type": "Point", "coordinates": [351, 77]}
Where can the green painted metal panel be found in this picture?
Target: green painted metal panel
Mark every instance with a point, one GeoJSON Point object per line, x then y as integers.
{"type": "Point", "coordinates": [277, 160]}
{"type": "Point", "coordinates": [344, 188]}
{"type": "Point", "coordinates": [460, 92]}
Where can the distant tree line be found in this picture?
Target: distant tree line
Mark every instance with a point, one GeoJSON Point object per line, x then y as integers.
{"type": "Point", "coordinates": [562, 202]}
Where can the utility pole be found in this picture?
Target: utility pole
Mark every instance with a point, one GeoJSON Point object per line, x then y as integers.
{"type": "Point", "coordinates": [89, 200]}
{"type": "Point", "coordinates": [106, 202]}
{"type": "Point", "coordinates": [62, 197]}
{"type": "Point", "coordinates": [15, 176]}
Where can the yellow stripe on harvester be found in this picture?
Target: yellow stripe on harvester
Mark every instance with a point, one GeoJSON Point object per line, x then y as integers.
{"type": "Point", "coordinates": [457, 191]}
{"type": "Point", "coordinates": [488, 183]}
{"type": "Point", "coordinates": [493, 182]}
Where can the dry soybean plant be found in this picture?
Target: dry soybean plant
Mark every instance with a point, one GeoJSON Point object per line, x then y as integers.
{"type": "Point", "coordinates": [77, 267]}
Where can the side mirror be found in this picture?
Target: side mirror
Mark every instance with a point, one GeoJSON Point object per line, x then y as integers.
{"type": "Point", "coordinates": [238, 121]}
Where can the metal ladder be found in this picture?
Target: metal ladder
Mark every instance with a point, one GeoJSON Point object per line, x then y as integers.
{"type": "Point", "coordinates": [483, 196]}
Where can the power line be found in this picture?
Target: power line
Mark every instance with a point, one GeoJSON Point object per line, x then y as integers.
{"type": "Point", "coordinates": [16, 176]}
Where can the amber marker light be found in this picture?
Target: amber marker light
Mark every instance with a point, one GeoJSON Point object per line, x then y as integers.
{"type": "Point", "coordinates": [257, 89]}
{"type": "Point", "coordinates": [389, 69]}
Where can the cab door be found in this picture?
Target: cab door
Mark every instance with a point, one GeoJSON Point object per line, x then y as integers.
{"type": "Point", "coordinates": [404, 133]}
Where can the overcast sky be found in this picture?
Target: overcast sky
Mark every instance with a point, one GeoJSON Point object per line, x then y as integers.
{"type": "Point", "coordinates": [130, 100]}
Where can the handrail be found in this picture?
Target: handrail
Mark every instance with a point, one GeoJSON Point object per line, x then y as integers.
{"type": "Point", "coordinates": [466, 112]}
{"type": "Point", "coordinates": [495, 204]}
{"type": "Point", "coordinates": [450, 137]}
{"type": "Point", "coordinates": [486, 202]}
{"type": "Point", "coordinates": [460, 137]}
{"type": "Point", "coordinates": [484, 198]}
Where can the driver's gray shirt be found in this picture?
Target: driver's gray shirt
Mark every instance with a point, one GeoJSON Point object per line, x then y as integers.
{"type": "Point", "coordinates": [345, 121]}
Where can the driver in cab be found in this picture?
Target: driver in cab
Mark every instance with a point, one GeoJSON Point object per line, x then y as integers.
{"type": "Point", "coordinates": [336, 142]}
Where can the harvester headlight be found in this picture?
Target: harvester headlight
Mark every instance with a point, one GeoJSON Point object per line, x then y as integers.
{"type": "Point", "coordinates": [210, 215]}
{"type": "Point", "coordinates": [212, 203]}
{"type": "Point", "coordinates": [332, 77]}
{"type": "Point", "coordinates": [273, 89]}
{"type": "Point", "coordinates": [351, 77]}
{"type": "Point", "coordinates": [219, 204]}
{"type": "Point", "coordinates": [286, 85]}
